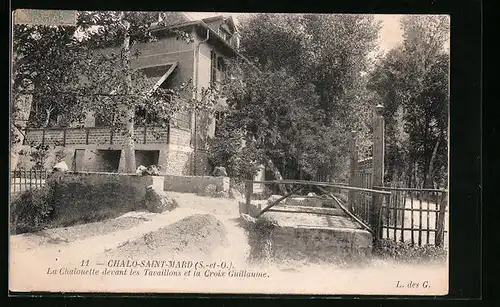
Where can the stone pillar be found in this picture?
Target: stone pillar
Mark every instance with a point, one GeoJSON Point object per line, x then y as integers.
{"type": "Point", "coordinates": [378, 169]}
{"type": "Point", "coordinates": [260, 176]}
{"type": "Point", "coordinates": [121, 166]}
{"type": "Point", "coordinates": [89, 119]}
{"type": "Point", "coordinates": [353, 165]}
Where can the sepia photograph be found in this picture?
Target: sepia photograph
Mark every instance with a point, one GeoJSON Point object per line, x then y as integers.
{"type": "Point", "coordinates": [229, 153]}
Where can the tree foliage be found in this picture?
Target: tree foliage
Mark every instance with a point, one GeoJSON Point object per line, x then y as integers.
{"type": "Point", "coordinates": [412, 83]}
{"type": "Point", "coordinates": [71, 71]}
{"type": "Point", "coordinates": [43, 66]}
{"type": "Point", "coordinates": [310, 93]}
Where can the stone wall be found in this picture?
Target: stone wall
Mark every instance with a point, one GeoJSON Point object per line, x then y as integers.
{"type": "Point", "coordinates": [176, 160]}
{"type": "Point", "coordinates": [195, 184]}
{"type": "Point", "coordinates": [106, 195]}
{"type": "Point", "coordinates": [321, 243]}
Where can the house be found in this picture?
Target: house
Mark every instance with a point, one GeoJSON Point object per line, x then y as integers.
{"type": "Point", "coordinates": [180, 147]}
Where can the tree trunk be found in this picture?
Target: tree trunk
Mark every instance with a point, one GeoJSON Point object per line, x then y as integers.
{"type": "Point", "coordinates": [20, 114]}
{"type": "Point", "coordinates": [430, 174]}
{"type": "Point", "coordinates": [47, 118]}
{"type": "Point", "coordinates": [277, 175]}
{"type": "Point", "coordinates": [129, 143]}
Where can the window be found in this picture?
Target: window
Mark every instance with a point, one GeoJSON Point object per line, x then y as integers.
{"type": "Point", "coordinates": [217, 69]}
{"type": "Point", "coordinates": [219, 116]}
{"type": "Point", "coordinates": [221, 65]}
{"type": "Point", "coordinates": [224, 34]}
{"type": "Point", "coordinates": [108, 160]}
{"type": "Point", "coordinates": [157, 77]}
{"type": "Point", "coordinates": [146, 157]}
{"type": "Point", "coordinates": [213, 67]}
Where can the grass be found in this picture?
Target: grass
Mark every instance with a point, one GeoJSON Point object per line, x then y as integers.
{"type": "Point", "coordinates": [410, 253]}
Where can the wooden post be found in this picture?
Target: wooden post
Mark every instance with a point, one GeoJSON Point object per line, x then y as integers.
{"type": "Point", "coordinates": [248, 196]}
{"type": "Point", "coordinates": [168, 133]}
{"type": "Point", "coordinates": [440, 226]}
{"type": "Point", "coordinates": [352, 169]}
{"type": "Point", "coordinates": [378, 169]}
{"type": "Point", "coordinates": [43, 136]}
{"type": "Point", "coordinates": [64, 136]}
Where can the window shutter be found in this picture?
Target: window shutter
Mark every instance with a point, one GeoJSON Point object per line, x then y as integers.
{"type": "Point", "coordinates": [213, 67]}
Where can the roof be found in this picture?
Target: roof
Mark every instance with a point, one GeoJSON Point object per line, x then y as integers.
{"type": "Point", "coordinates": [156, 75]}
{"type": "Point", "coordinates": [228, 20]}
{"type": "Point", "coordinates": [201, 24]}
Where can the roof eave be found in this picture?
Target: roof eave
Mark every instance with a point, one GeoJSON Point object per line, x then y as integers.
{"type": "Point", "coordinates": [202, 24]}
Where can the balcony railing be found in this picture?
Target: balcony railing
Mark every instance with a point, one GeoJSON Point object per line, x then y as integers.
{"type": "Point", "coordinates": [94, 135]}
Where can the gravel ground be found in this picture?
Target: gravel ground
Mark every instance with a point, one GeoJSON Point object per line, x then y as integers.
{"type": "Point", "coordinates": [215, 206]}
{"type": "Point", "coordinates": [199, 234]}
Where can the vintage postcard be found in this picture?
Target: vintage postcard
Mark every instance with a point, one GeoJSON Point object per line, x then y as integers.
{"type": "Point", "coordinates": [238, 153]}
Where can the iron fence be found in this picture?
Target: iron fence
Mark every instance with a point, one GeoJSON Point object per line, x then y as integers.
{"type": "Point", "coordinates": [337, 192]}
{"type": "Point", "coordinates": [24, 180]}
{"type": "Point", "coordinates": [415, 215]}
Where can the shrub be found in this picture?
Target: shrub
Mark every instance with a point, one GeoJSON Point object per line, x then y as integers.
{"type": "Point", "coordinates": [60, 155]}
{"type": "Point", "coordinates": [32, 210]}
{"type": "Point", "coordinates": [39, 155]}
{"type": "Point", "coordinates": [107, 196]}
{"type": "Point", "coordinates": [240, 163]}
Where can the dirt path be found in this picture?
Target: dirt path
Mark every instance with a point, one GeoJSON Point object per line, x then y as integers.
{"type": "Point", "coordinates": [181, 241]}
{"type": "Point", "coordinates": [32, 258]}
{"type": "Point", "coordinates": [70, 245]}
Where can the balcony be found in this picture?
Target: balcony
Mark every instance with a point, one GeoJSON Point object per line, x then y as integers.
{"type": "Point", "coordinates": [94, 136]}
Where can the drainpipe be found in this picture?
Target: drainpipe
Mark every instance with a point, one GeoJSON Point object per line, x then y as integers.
{"type": "Point", "coordinates": [195, 96]}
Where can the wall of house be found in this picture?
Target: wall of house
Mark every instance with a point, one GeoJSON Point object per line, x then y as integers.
{"type": "Point", "coordinates": [164, 51]}
{"type": "Point", "coordinates": [176, 156]}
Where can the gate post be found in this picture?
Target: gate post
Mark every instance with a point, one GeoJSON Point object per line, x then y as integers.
{"type": "Point", "coordinates": [378, 169]}
{"type": "Point", "coordinates": [443, 201]}
{"type": "Point", "coordinates": [248, 196]}
{"type": "Point", "coordinates": [353, 165]}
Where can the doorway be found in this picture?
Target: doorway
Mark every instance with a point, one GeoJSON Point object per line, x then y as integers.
{"type": "Point", "coordinates": [108, 160]}
{"type": "Point", "coordinates": [146, 157]}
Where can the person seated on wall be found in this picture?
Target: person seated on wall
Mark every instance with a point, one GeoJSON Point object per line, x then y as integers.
{"type": "Point", "coordinates": [141, 170]}
{"type": "Point", "coordinates": [152, 170]}
{"type": "Point", "coordinates": [60, 167]}
{"type": "Point", "coordinates": [219, 171]}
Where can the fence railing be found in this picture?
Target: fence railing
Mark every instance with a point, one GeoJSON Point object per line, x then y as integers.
{"type": "Point", "coordinates": [368, 223]}
{"type": "Point", "coordinates": [94, 135]}
{"type": "Point", "coordinates": [413, 215]}
{"type": "Point", "coordinates": [24, 180]}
